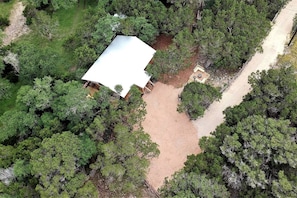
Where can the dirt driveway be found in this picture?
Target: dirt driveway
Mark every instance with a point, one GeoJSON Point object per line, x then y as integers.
{"type": "Point", "coordinates": [173, 131]}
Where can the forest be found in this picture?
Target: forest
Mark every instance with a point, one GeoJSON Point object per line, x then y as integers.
{"type": "Point", "coordinates": [56, 142]}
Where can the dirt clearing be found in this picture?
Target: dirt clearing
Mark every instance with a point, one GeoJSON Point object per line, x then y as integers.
{"type": "Point", "coordinates": [173, 131]}
{"type": "Point", "coordinates": [17, 25]}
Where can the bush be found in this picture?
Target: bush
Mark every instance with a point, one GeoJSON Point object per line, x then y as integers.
{"type": "Point", "coordinates": [29, 13]}
{"type": "Point", "coordinates": [5, 87]}
{"type": "Point", "coordinates": [46, 25]}
{"type": "Point", "coordinates": [196, 97]}
{"type": "Point", "coordinates": [3, 22]}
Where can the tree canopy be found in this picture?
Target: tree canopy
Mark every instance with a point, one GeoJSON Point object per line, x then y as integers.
{"type": "Point", "coordinates": [256, 151]}
{"type": "Point", "coordinates": [56, 133]}
{"type": "Point", "coordinates": [193, 185]}
{"type": "Point", "coordinates": [196, 97]}
{"type": "Point", "coordinates": [56, 163]}
{"type": "Point", "coordinates": [230, 32]}
{"type": "Point", "coordinates": [56, 4]}
{"type": "Point", "coordinates": [58, 142]}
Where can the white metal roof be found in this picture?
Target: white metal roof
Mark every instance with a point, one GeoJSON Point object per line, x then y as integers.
{"type": "Point", "coordinates": [122, 63]}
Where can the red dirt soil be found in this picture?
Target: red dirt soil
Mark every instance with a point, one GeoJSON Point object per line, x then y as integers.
{"type": "Point", "coordinates": [162, 43]}
{"type": "Point", "coordinates": [180, 79]}
{"type": "Point", "coordinates": [172, 131]}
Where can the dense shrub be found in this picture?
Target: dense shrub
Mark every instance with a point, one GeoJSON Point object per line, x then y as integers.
{"type": "Point", "coordinates": [5, 86]}
{"type": "Point", "coordinates": [29, 13]}
{"type": "Point", "coordinates": [196, 97]}
{"type": "Point", "coordinates": [3, 22]}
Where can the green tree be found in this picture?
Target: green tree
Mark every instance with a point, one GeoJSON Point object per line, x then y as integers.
{"type": "Point", "coordinates": [276, 90]}
{"type": "Point", "coordinates": [24, 148]}
{"type": "Point", "coordinates": [85, 56]}
{"type": "Point", "coordinates": [212, 43]}
{"type": "Point", "coordinates": [269, 7]}
{"type": "Point", "coordinates": [5, 87]}
{"type": "Point", "coordinates": [17, 190]}
{"type": "Point", "coordinates": [7, 154]}
{"type": "Point", "coordinates": [17, 124]}
{"type": "Point", "coordinates": [87, 191]}
{"type": "Point", "coordinates": [123, 162]}
{"type": "Point", "coordinates": [192, 185]}
{"type": "Point", "coordinates": [167, 62]}
{"type": "Point", "coordinates": [284, 187]}
{"type": "Point", "coordinates": [38, 98]}
{"type": "Point", "coordinates": [85, 32]}
{"type": "Point", "coordinates": [273, 94]}
{"type": "Point", "coordinates": [87, 149]}
{"type": "Point", "coordinates": [230, 32]}
{"type": "Point", "coordinates": [185, 41]}
{"type": "Point", "coordinates": [196, 97]}
{"type": "Point", "coordinates": [45, 25]}
{"type": "Point", "coordinates": [256, 150]}
{"type": "Point", "coordinates": [140, 27]}
{"type": "Point", "coordinates": [35, 62]}
{"type": "Point", "coordinates": [50, 125]}
{"type": "Point", "coordinates": [178, 17]}
{"type": "Point", "coordinates": [71, 102]}
{"type": "Point", "coordinates": [56, 4]}
{"type": "Point", "coordinates": [106, 29]}
{"type": "Point", "coordinates": [2, 66]}
{"type": "Point", "coordinates": [21, 169]}
{"type": "Point", "coordinates": [211, 155]}
{"type": "Point", "coordinates": [56, 164]}
{"type": "Point", "coordinates": [154, 11]}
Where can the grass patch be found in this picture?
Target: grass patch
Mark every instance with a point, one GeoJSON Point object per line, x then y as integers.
{"type": "Point", "coordinates": [5, 8]}
{"type": "Point", "coordinates": [69, 20]}
{"type": "Point", "coordinates": [9, 103]}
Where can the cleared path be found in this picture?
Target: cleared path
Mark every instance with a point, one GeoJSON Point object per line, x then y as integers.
{"type": "Point", "coordinates": [273, 45]}
{"type": "Point", "coordinates": [17, 25]}
{"type": "Point", "coordinates": [172, 131]}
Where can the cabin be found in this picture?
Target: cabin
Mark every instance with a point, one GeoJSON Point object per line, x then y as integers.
{"type": "Point", "coordinates": [122, 64]}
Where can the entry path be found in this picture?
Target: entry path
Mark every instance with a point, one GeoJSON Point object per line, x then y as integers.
{"type": "Point", "coordinates": [273, 45]}
{"type": "Point", "coordinates": [17, 25]}
{"type": "Point", "coordinates": [172, 131]}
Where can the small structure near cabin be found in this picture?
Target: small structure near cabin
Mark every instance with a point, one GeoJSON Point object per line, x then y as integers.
{"type": "Point", "coordinates": [198, 75]}
{"type": "Point", "coordinates": [122, 63]}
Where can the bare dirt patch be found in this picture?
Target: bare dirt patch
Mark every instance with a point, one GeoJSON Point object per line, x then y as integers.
{"type": "Point", "coordinates": [182, 77]}
{"type": "Point", "coordinates": [17, 25]}
{"type": "Point", "coordinates": [220, 78]}
{"type": "Point", "coordinates": [162, 42]}
{"type": "Point", "coordinates": [172, 131]}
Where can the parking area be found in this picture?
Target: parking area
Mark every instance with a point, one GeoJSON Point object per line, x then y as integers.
{"type": "Point", "coordinates": [172, 131]}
